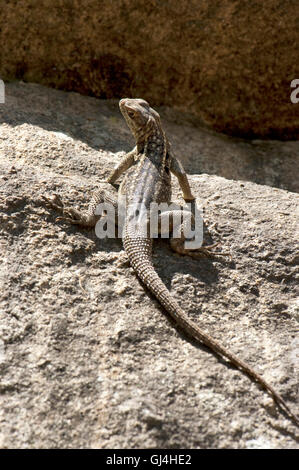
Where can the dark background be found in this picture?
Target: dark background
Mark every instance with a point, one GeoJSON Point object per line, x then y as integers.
{"type": "Point", "coordinates": [228, 62]}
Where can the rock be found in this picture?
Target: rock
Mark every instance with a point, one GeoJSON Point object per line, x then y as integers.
{"type": "Point", "coordinates": [229, 63]}
{"type": "Point", "coordinates": [80, 365]}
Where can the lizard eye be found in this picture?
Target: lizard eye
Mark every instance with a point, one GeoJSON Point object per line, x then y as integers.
{"type": "Point", "coordinates": [131, 113]}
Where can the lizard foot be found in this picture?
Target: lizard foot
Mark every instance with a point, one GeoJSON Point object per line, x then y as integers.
{"type": "Point", "coordinates": [69, 214]}
{"type": "Point", "coordinates": [202, 252]}
{"type": "Point", "coordinates": [54, 203]}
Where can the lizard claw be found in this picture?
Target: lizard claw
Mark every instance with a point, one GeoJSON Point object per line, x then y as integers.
{"type": "Point", "coordinates": [71, 216]}
{"type": "Point", "coordinates": [54, 203]}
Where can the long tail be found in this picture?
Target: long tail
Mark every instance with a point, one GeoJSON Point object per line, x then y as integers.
{"type": "Point", "coordinates": [139, 252]}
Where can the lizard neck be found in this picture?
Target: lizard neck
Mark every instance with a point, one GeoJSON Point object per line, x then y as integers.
{"type": "Point", "coordinates": [155, 146]}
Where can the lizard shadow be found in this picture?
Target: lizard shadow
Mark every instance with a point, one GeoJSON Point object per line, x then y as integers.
{"type": "Point", "coordinates": [172, 263]}
{"type": "Point", "coordinates": [202, 268]}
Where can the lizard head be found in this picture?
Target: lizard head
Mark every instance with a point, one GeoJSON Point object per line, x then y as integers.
{"type": "Point", "coordinates": [140, 117]}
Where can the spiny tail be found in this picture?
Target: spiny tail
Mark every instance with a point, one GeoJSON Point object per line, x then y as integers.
{"type": "Point", "coordinates": [139, 252]}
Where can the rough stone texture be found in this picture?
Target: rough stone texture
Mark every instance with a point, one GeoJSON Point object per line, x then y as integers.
{"type": "Point", "coordinates": [230, 62]}
{"type": "Point", "coordinates": [87, 357]}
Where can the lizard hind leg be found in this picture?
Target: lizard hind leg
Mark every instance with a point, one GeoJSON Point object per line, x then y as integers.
{"type": "Point", "coordinates": [167, 220]}
{"type": "Point", "coordinates": [87, 218]}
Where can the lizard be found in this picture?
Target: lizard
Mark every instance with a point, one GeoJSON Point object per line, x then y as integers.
{"type": "Point", "coordinates": [148, 168]}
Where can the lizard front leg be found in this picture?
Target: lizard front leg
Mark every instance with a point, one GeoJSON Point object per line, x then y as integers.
{"type": "Point", "coordinates": [126, 162]}
{"type": "Point", "coordinates": [177, 169]}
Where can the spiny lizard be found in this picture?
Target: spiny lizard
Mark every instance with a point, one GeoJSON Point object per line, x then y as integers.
{"type": "Point", "coordinates": [147, 180]}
